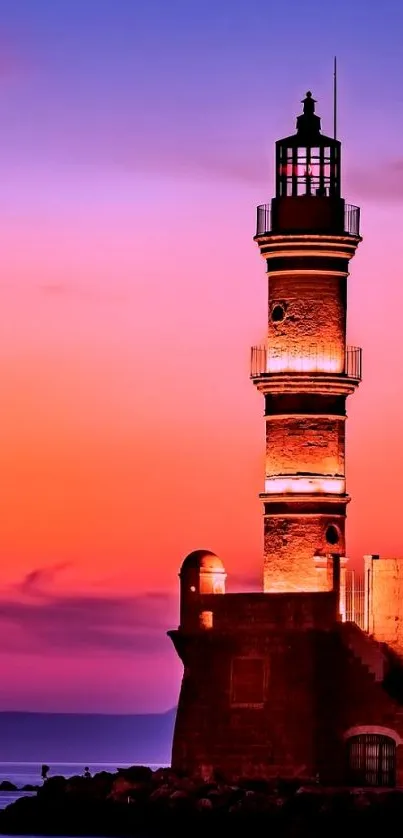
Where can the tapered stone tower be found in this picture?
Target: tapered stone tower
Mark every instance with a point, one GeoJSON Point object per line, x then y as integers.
{"type": "Point", "coordinates": [307, 236]}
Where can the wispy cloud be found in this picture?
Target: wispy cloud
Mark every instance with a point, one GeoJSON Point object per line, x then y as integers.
{"type": "Point", "coordinates": [34, 618]}
{"type": "Point", "coordinates": [383, 183]}
{"type": "Point", "coordinates": [240, 159]}
{"type": "Point", "coordinates": [34, 582]}
{"type": "Point", "coordinates": [249, 169]}
{"type": "Point", "coordinates": [95, 293]}
{"type": "Point", "coordinates": [243, 582]}
{"type": "Point", "coordinates": [13, 62]}
{"type": "Point", "coordinates": [252, 167]}
{"type": "Point", "coordinates": [54, 288]}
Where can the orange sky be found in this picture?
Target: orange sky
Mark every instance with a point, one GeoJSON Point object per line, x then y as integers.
{"type": "Point", "coordinates": [131, 434]}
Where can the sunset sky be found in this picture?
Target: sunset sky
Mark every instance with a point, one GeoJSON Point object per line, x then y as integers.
{"type": "Point", "coordinates": [136, 138]}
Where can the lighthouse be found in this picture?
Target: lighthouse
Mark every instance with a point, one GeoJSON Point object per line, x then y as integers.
{"type": "Point", "coordinates": [305, 371]}
{"type": "Point", "coordinates": [287, 681]}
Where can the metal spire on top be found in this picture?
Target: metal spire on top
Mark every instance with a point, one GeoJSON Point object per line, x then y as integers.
{"type": "Point", "coordinates": [335, 99]}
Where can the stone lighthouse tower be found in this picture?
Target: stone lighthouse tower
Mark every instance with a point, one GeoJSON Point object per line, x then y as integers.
{"type": "Point", "coordinates": [283, 682]}
{"type": "Point", "coordinates": [307, 236]}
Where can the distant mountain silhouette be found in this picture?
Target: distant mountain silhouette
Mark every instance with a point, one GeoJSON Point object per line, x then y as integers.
{"type": "Point", "coordinates": [86, 738]}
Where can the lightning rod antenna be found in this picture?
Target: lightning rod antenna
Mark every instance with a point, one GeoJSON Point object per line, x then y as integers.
{"type": "Point", "coordinates": [335, 99]}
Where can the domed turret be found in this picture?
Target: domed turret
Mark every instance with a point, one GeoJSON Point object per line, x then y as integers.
{"type": "Point", "coordinates": [203, 560]}
{"type": "Point", "coordinates": [202, 572]}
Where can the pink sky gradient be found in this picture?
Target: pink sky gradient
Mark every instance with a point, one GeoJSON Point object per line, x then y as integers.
{"type": "Point", "coordinates": [130, 293]}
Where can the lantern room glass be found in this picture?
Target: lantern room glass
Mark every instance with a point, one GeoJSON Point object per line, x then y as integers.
{"type": "Point", "coordinates": [308, 169]}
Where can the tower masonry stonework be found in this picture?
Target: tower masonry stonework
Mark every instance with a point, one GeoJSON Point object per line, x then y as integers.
{"type": "Point", "coordinates": [303, 678]}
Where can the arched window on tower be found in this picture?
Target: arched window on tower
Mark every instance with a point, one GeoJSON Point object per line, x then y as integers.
{"type": "Point", "coordinates": [371, 760]}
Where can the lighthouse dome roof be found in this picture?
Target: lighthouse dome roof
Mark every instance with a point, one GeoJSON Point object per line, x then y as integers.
{"type": "Point", "coordinates": [203, 560]}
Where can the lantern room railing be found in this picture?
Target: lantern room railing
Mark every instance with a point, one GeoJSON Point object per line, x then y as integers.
{"type": "Point", "coordinates": [267, 361]}
{"type": "Point", "coordinates": [351, 220]}
{"type": "Point", "coordinates": [263, 219]}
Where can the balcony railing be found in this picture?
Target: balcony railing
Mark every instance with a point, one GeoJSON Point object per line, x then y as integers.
{"type": "Point", "coordinates": [351, 220]}
{"type": "Point", "coordinates": [311, 359]}
{"type": "Point", "coordinates": [263, 219]}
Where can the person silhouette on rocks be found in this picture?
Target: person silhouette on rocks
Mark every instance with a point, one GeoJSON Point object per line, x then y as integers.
{"type": "Point", "coordinates": [44, 772]}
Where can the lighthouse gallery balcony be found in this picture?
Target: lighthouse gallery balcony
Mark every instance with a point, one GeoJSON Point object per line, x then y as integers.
{"type": "Point", "coordinates": [266, 222]}
{"type": "Point", "coordinates": [268, 361]}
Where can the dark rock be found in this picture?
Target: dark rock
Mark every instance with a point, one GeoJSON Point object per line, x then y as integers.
{"type": "Point", "coordinates": [254, 784]}
{"type": "Point", "coordinates": [204, 804]}
{"type": "Point", "coordinates": [7, 786]}
{"type": "Point", "coordinates": [136, 773]}
{"type": "Point", "coordinates": [53, 787]}
{"type": "Point", "coordinates": [137, 802]}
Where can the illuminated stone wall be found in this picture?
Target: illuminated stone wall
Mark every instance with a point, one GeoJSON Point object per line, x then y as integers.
{"type": "Point", "coordinates": [384, 600]}
{"type": "Point", "coordinates": [313, 322]}
{"type": "Point", "coordinates": [247, 703]}
{"type": "Point", "coordinates": [304, 444]}
{"type": "Point", "coordinates": [306, 333]}
{"type": "Point", "coordinates": [306, 610]}
{"type": "Point", "coordinates": [271, 689]}
{"type": "Point", "coordinates": [290, 546]}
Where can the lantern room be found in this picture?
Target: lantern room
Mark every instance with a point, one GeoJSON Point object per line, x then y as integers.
{"type": "Point", "coordinates": [308, 184]}
{"type": "Point", "coordinates": [308, 163]}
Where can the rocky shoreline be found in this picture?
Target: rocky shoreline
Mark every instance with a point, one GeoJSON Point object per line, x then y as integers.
{"type": "Point", "coordinates": [6, 785]}
{"type": "Point", "coordinates": [140, 802]}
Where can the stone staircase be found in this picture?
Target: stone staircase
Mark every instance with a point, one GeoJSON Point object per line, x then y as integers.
{"type": "Point", "coordinates": [365, 648]}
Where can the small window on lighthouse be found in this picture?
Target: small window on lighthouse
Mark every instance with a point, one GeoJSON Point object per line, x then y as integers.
{"type": "Point", "coordinates": [277, 313]}
{"type": "Point", "coordinates": [206, 620]}
{"type": "Point", "coordinates": [332, 535]}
